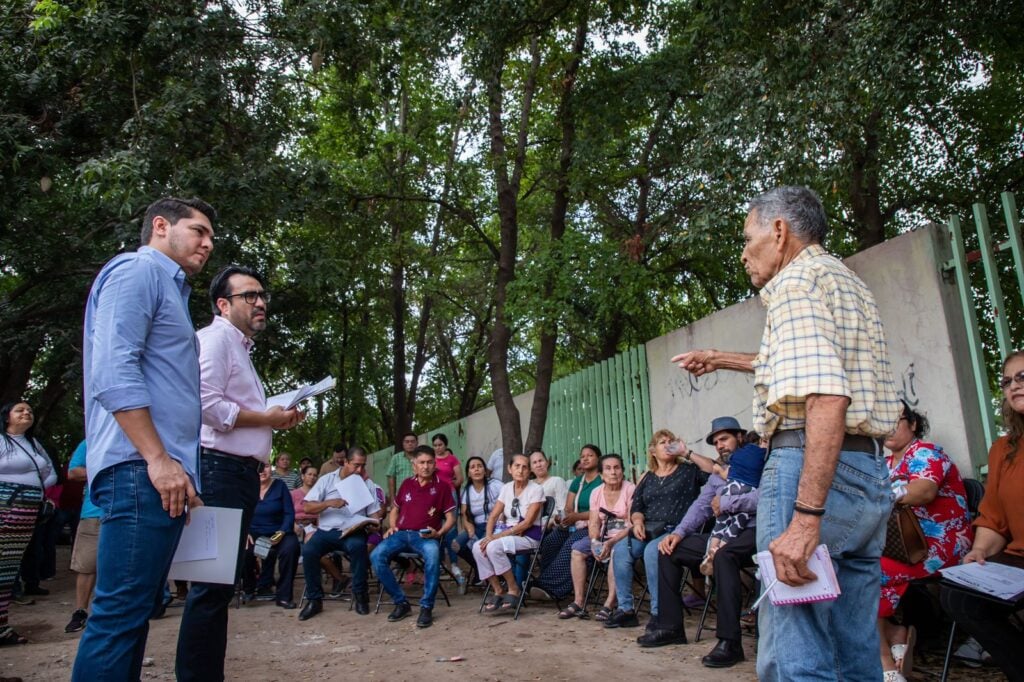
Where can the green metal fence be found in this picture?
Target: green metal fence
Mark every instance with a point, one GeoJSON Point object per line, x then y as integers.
{"type": "Point", "coordinates": [608, 404]}
{"type": "Point", "coordinates": [989, 252]}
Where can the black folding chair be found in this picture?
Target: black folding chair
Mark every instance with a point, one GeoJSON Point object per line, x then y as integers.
{"type": "Point", "coordinates": [413, 561]}
{"type": "Point", "coordinates": [533, 554]}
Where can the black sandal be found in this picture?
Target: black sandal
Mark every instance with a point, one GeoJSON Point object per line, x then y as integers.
{"type": "Point", "coordinates": [494, 603]}
{"type": "Point", "coordinates": [573, 610]}
{"type": "Point", "coordinates": [10, 638]}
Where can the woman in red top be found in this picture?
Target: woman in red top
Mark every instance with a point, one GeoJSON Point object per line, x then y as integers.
{"type": "Point", "coordinates": [926, 480]}
{"type": "Point", "coordinates": [449, 471]}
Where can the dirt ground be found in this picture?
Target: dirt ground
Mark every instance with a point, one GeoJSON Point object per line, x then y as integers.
{"type": "Point", "coordinates": [269, 643]}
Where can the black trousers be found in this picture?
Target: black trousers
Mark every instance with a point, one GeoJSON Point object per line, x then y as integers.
{"type": "Point", "coordinates": [203, 637]}
{"type": "Point", "coordinates": [988, 621]}
{"type": "Point", "coordinates": [285, 555]}
{"type": "Point", "coordinates": [729, 559]}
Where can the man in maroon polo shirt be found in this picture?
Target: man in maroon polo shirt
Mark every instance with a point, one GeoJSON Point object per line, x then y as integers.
{"type": "Point", "coordinates": [423, 511]}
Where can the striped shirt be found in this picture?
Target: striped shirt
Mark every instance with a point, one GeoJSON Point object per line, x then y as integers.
{"type": "Point", "coordinates": [823, 335]}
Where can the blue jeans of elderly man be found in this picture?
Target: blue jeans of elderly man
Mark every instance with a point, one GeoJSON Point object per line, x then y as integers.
{"type": "Point", "coordinates": [856, 512]}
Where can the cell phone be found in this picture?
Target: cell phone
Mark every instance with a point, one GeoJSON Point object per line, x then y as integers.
{"type": "Point", "coordinates": [426, 531]}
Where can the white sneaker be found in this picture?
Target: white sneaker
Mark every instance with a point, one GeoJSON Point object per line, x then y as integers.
{"type": "Point", "coordinates": [971, 654]}
{"type": "Point", "coordinates": [893, 676]}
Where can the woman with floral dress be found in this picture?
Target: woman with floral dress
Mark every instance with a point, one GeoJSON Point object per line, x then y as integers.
{"type": "Point", "coordinates": [926, 480]}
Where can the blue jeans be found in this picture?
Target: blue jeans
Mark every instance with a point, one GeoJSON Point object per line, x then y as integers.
{"type": "Point", "coordinates": [836, 640]}
{"type": "Point", "coordinates": [623, 555]}
{"type": "Point", "coordinates": [408, 541]}
{"type": "Point", "coordinates": [324, 541]}
{"type": "Point", "coordinates": [136, 545]}
{"type": "Point", "coordinates": [203, 636]}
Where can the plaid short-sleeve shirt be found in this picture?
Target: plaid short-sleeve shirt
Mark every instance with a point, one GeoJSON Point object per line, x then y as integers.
{"type": "Point", "coordinates": [823, 335]}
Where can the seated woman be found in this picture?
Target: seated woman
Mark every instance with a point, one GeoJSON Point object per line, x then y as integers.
{"type": "Point", "coordinates": [274, 517]}
{"type": "Point", "coordinates": [513, 526]}
{"type": "Point", "coordinates": [556, 551]}
{"type": "Point", "coordinates": [608, 524]}
{"type": "Point", "coordinates": [923, 478]}
{"type": "Point", "coordinates": [662, 496]}
{"type": "Point", "coordinates": [554, 486]}
{"type": "Point", "coordinates": [477, 500]}
{"type": "Point", "coordinates": [998, 532]}
{"type": "Point", "coordinates": [309, 475]}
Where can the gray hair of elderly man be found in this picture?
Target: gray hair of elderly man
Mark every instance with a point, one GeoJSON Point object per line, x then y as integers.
{"type": "Point", "coordinates": [799, 206]}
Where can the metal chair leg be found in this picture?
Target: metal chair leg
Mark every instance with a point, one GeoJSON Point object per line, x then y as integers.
{"type": "Point", "coordinates": [709, 592]}
{"type": "Point", "coordinates": [949, 652]}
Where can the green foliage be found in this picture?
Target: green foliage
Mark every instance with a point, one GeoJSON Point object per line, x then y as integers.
{"type": "Point", "coordinates": [348, 148]}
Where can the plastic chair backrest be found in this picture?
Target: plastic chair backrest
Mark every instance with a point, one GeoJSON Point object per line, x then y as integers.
{"type": "Point", "coordinates": [975, 491]}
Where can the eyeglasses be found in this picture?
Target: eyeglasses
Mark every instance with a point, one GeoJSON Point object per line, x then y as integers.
{"type": "Point", "coordinates": [251, 296]}
{"type": "Point", "coordinates": [1017, 378]}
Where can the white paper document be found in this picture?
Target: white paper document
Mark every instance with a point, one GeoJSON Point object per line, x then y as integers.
{"type": "Point", "coordinates": [208, 549]}
{"type": "Point", "coordinates": [290, 399]}
{"type": "Point", "coordinates": [199, 539]}
{"type": "Point", "coordinates": [998, 580]}
{"type": "Point", "coordinates": [355, 493]}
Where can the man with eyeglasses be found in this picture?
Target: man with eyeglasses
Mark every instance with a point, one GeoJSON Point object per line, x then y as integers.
{"type": "Point", "coordinates": [236, 439]}
{"type": "Point", "coordinates": [422, 513]}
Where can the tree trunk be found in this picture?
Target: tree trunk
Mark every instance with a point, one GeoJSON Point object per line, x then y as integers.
{"type": "Point", "coordinates": [865, 186]}
{"type": "Point", "coordinates": [559, 210]}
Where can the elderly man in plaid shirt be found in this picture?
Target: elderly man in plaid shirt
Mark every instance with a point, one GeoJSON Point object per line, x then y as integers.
{"type": "Point", "coordinates": [824, 396]}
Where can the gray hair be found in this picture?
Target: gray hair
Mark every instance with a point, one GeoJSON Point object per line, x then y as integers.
{"type": "Point", "coordinates": [798, 206]}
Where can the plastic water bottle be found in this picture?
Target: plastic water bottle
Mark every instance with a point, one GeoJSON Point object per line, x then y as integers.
{"type": "Point", "coordinates": [596, 546]}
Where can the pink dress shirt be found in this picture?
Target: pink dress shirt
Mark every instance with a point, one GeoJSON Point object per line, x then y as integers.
{"type": "Point", "coordinates": [228, 383]}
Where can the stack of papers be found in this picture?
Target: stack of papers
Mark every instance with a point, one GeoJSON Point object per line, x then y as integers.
{"type": "Point", "coordinates": [292, 398]}
{"type": "Point", "coordinates": [997, 580]}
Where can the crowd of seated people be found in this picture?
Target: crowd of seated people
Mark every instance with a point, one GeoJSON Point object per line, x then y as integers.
{"type": "Point", "coordinates": [688, 516]}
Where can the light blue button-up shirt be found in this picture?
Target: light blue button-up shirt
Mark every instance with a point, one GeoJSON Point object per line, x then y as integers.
{"type": "Point", "coordinates": [140, 350]}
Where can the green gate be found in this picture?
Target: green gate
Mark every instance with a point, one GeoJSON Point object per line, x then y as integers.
{"type": "Point", "coordinates": [994, 317]}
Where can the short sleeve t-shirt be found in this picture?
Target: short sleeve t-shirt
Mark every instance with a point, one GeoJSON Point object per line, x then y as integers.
{"type": "Point", "coordinates": [475, 500]}
{"type": "Point", "coordinates": [423, 506]}
{"type": "Point", "coordinates": [89, 510]}
{"type": "Point", "coordinates": [516, 507]}
{"type": "Point", "coordinates": [446, 467]}
{"type": "Point", "coordinates": [621, 507]}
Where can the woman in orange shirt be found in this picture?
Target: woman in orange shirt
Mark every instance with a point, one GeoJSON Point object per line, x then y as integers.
{"type": "Point", "coordinates": [999, 532]}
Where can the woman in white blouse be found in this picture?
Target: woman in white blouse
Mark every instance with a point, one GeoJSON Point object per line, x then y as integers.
{"type": "Point", "coordinates": [25, 471]}
{"type": "Point", "coordinates": [513, 526]}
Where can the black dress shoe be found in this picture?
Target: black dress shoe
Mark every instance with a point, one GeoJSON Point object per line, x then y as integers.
{"type": "Point", "coordinates": [312, 607]}
{"type": "Point", "coordinates": [654, 638]}
{"type": "Point", "coordinates": [362, 604]}
{"type": "Point", "coordinates": [426, 618]}
{"type": "Point", "coordinates": [622, 619]}
{"type": "Point", "coordinates": [725, 654]}
{"type": "Point", "coordinates": [286, 604]}
{"type": "Point", "coordinates": [400, 611]}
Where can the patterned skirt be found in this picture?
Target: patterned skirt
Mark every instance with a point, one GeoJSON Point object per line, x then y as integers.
{"type": "Point", "coordinates": [19, 506]}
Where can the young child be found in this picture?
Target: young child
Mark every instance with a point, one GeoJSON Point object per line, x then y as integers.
{"type": "Point", "coordinates": [742, 475]}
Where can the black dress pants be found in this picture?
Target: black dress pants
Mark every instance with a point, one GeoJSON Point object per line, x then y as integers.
{"type": "Point", "coordinates": [729, 559]}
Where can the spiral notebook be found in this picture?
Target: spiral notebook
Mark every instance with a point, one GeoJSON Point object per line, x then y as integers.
{"type": "Point", "coordinates": [824, 588]}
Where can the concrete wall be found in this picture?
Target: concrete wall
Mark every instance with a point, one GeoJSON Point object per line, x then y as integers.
{"type": "Point", "coordinates": [927, 347]}
{"type": "Point", "coordinates": [923, 326]}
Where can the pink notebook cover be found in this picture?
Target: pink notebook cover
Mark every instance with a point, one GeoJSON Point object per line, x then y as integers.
{"type": "Point", "coordinates": [824, 588]}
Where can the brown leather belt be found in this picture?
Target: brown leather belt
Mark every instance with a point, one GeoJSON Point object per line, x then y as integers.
{"type": "Point", "coordinates": [796, 438]}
